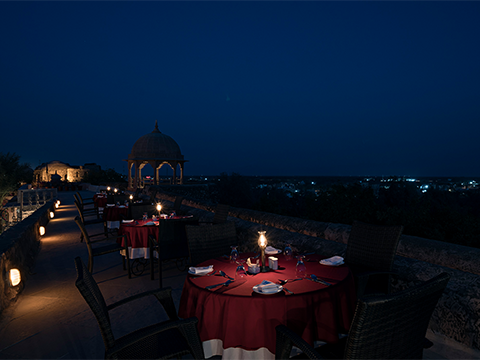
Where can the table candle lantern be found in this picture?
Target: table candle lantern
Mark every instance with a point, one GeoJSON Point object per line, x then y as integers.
{"type": "Point", "coordinates": [159, 208]}
{"type": "Point", "coordinates": [262, 243]}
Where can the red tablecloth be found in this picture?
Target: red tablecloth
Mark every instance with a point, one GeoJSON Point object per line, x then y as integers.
{"type": "Point", "coordinates": [100, 200]}
{"type": "Point", "coordinates": [241, 318]}
{"type": "Point", "coordinates": [137, 235]}
{"type": "Point", "coordinates": [112, 213]}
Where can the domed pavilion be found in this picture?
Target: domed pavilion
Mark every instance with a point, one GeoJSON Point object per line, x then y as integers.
{"type": "Point", "coordinates": [156, 149]}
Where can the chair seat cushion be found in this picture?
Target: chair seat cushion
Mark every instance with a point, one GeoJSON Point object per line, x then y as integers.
{"type": "Point", "coordinates": [169, 343]}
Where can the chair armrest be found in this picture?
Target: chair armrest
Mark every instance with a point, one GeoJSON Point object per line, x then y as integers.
{"type": "Point", "coordinates": [186, 327]}
{"type": "Point", "coordinates": [362, 278]}
{"type": "Point", "coordinates": [110, 238]}
{"type": "Point", "coordinates": [164, 296]}
{"type": "Point", "coordinates": [286, 338]}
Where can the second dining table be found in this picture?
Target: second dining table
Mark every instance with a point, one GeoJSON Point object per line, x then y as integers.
{"type": "Point", "coordinates": [138, 231]}
{"type": "Point", "coordinates": [237, 322]}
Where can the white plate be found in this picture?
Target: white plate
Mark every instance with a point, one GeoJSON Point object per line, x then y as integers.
{"type": "Point", "coordinates": [332, 265]}
{"type": "Point", "coordinates": [199, 274]}
{"type": "Point", "coordinates": [273, 253]}
{"type": "Point", "coordinates": [258, 291]}
{"type": "Point", "coordinates": [127, 221]}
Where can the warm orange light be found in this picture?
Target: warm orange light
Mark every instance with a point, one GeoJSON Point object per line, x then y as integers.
{"type": "Point", "coordinates": [56, 205]}
{"type": "Point", "coordinates": [108, 188]}
{"type": "Point", "coordinates": [52, 214]}
{"type": "Point", "coordinates": [42, 230]}
{"type": "Point", "coordinates": [262, 240]}
{"type": "Point", "coordinates": [131, 197]}
{"type": "Point", "coordinates": [159, 207]}
{"type": "Point", "coordinates": [15, 277]}
{"type": "Point", "coordinates": [115, 190]}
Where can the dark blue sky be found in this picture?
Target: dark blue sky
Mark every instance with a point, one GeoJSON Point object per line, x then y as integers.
{"type": "Point", "coordinates": [258, 88]}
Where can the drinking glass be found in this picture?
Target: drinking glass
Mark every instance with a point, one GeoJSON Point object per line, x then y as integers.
{"type": "Point", "coordinates": [300, 269]}
{"type": "Point", "coordinates": [240, 273]}
{"type": "Point", "coordinates": [233, 254]}
{"type": "Point", "coordinates": [288, 252]}
{"type": "Point", "coordinates": [145, 217]}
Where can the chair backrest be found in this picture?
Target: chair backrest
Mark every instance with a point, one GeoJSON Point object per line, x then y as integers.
{"type": "Point", "coordinates": [81, 225]}
{"type": "Point", "coordinates": [178, 203]}
{"type": "Point", "coordinates": [221, 213]}
{"type": "Point", "coordinates": [394, 326]}
{"type": "Point", "coordinates": [80, 211]}
{"type": "Point", "coordinates": [209, 241]}
{"type": "Point", "coordinates": [137, 210]}
{"type": "Point", "coordinates": [153, 196]}
{"type": "Point", "coordinates": [173, 238]}
{"type": "Point", "coordinates": [94, 298]}
{"type": "Point", "coordinates": [120, 198]}
{"type": "Point", "coordinates": [372, 246]}
{"type": "Point", "coordinates": [78, 197]}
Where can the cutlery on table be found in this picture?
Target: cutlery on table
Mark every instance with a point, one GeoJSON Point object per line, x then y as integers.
{"type": "Point", "coordinates": [314, 277]}
{"type": "Point", "coordinates": [282, 282]}
{"type": "Point", "coordinates": [221, 272]}
{"type": "Point", "coordinates": [228, 282]}
{"type": "Point", "coordinates": [290, 292]}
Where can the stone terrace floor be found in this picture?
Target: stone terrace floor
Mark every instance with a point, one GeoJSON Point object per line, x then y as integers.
{"type": "Point", "coordinates": [51, 320]}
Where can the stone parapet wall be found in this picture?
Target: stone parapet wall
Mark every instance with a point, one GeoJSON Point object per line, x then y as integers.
{"type": "Point", "coordinates": [457, 315]}
{"type": "Point", "coordinates": [18, 248]}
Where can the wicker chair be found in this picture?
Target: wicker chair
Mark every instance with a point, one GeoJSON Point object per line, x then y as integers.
{"type": "Point", "coordinates": [105, 249]}
{"type": "Point", "coordinates": [172, 244]}
{"type": "Point", "coordinates": [220, 215]}
{"type": "Point", "coordinates": [84, 201]}
{"type": "Point", "coordinates": [384, 327]}
{"type": "Point", "coordinates": [158, 341]}
{"type": "Point", "coordinates": [206, 242]}
{"type": "Point", "coordinates": [177, 205]}
{"type": "Point", "coordinates": [370, 254]}
{"type": "Point", "coordinates": [83, 215]}
{"type": "Point", "coordinates": [84, 206]}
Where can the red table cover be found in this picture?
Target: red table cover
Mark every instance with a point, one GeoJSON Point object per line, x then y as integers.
{"type": "Point", "coordinates": [242, 318]}
{"type": "Point", "coordinates": [112, 213]}
{"type": "Point", "coordinates": [100, 200]}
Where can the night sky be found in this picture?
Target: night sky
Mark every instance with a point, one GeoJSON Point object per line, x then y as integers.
{"type": "Point", "coordinates": [257, 88]}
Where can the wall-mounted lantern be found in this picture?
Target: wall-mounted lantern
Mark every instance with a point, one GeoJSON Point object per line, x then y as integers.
{"type": "Point", "coordinates": [41, 230]}
{"type": "Point", "coordinates": [15, 277]}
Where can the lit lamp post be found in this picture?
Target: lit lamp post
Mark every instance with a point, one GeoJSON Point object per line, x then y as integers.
{"type": "Point", "coordinates": [262, 243]}
{"type": "Point", "coordinates": [159, 208]}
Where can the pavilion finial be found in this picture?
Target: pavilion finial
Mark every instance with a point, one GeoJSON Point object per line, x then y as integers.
{"type": "Point", "coordinates": [156, 127]}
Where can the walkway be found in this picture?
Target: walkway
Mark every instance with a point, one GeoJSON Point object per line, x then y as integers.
{"type": "Point", "coordinates": [51, 320]}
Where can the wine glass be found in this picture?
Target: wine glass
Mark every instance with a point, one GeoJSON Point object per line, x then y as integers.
{"type": "Point", "coordinates": [240, 273]}
{"type": "Point", "coordinates": [288, 252]}
{"type": "Point", "coordinates": [300, 269]}
{"type": "Point", "coordinates": [233, 254]}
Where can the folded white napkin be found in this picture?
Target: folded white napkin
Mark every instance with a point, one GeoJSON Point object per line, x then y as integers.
{"type": "Point", "coordinates": [122, 206]}
{"type": "Point", "coordinates": [127, 221]}
{"type": "Point", "coordinates": [109, 205]}
{"type": "Point", "coordinates": [333, 261]}
{"type": "Point", "coordinates": [270, 250]}
{"type": "Point", "coordinates": [267, 287]}
{"type": "Point", "coordinates": [150, 223]}
{"type": "Point", "coordinates": [201, 270]}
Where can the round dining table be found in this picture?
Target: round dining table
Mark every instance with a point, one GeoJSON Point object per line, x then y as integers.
{"type": "Point", "coordinates": [138, 231]}
{"type": "Point", "coordinates": [112, 214]}
{"type": "Point", "coordinates": [236, 322]}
